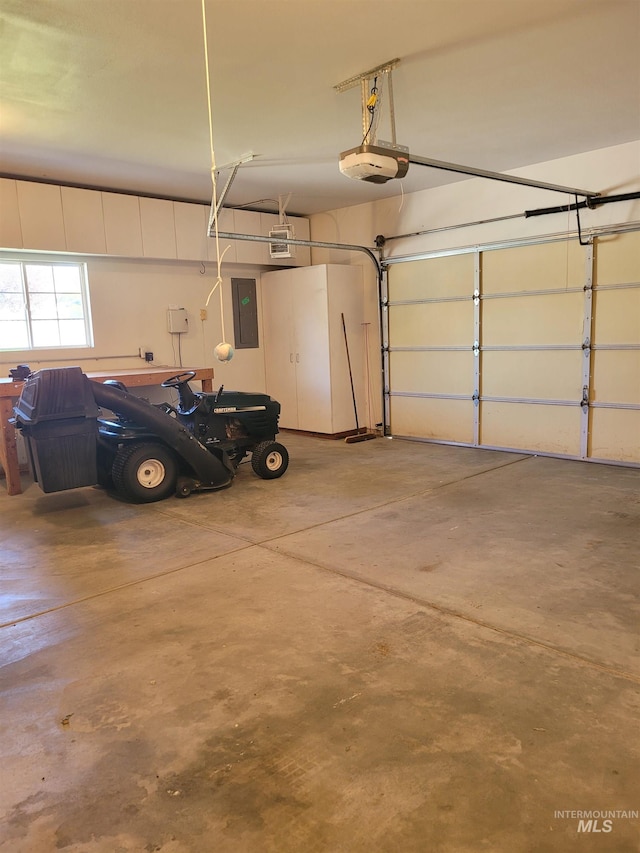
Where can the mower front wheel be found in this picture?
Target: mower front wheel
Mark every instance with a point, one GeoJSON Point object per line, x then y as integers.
{"type": "Point", "coordinates": [145, 472]}
{"type": "Point", "coordinates": [270, 460]}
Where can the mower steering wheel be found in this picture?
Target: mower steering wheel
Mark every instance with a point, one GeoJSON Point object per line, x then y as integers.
{"type": "Point", "coordinates": [178, 379]}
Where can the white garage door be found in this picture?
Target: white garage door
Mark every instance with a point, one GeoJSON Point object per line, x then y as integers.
{"type": "Point", "coordinates": [531, 348]}
{"type": "Point", "coordinates": [614, 414]}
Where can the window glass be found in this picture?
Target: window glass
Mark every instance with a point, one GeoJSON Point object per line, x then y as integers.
{"type": "Point", "coordinates": [39, 278]}
{"type": "Point", "coordinates": [43, 305]}
{"type": "Point", "coordinates": [13, 335]}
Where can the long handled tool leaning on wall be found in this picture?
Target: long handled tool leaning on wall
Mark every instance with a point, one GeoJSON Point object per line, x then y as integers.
{"type": "Point", "coordinates": [360, 436]}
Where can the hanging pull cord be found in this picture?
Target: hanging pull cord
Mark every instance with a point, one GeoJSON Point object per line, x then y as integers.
{"type": "Point", "coordinates": [213, 169]}
{"type": "Point", "coordinates": [218, 282]}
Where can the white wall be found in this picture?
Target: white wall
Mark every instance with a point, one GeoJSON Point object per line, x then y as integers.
{"type": "Point", "coordinates": [609, 171]}
{"type": "Point", "coordinates": [129, 301]}
{"type": "Point", "coordinates": [143, 255]}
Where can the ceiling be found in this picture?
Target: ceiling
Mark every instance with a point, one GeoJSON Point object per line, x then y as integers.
{"type": "Point", "coordinates": [112, 93]}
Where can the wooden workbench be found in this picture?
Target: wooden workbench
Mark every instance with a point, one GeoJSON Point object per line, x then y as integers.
{"type": "Point", "coordinates": [10, 391]}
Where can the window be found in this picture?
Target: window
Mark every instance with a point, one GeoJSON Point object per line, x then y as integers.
{"type": "Point", "coordinates": [43, 305]}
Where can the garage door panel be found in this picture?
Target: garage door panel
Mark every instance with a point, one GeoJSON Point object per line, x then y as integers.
{"type": "Point", "coordinates": [547, 266]}
{"type": "Point", "coordinates": [433, 278]}
{"type": "Point", "coordinates": [556, 319]}
{"type": "Point", "coordinates": [433, 324]}
{"type": "Point", "coordinates": [540, 374]}
{"type": "Point", "coordinates": [552, 429]}
{"type": "Point", "coordinates": [617, 316]}
{"type": "Point", "coordinates": [618, 258]}
{"type": "Point", "coordinates": [616, 376]}
{"type": "Point", "coordinates": [535, 313]}
{"type": "Point", "coordinates": [615, 434]}
{"type": "Point", "coordinates": [432, 372]}
{"type": "Point", "coordinates": [448, 420]}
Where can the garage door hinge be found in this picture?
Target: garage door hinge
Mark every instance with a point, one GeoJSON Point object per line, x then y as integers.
{"type": "Point", "coordinates": [476, 347]}
{"type": "Point", "coordinates": [586, 344]}
{"type": "Point", "coordinates": [476, 398]}
{"type": "Point", "coordinates": [585, 397]}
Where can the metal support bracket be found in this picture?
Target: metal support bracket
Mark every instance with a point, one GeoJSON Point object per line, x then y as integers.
{"type": "Point", "coordinates": [223, 195]}
{"type": "Point", "coordinates": [384, 334]}
{"type": "Point", "coordinates": [498, 176]}
{"type": "Point", "coordinates": [587, 350]}
{"type": "Point", "coordinates": [477, 286]}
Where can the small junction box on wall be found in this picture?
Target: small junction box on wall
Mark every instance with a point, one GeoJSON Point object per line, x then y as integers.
{"type": "Point", "coordinates": [177, 321]}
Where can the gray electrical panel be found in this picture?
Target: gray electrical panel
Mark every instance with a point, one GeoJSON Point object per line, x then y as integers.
{"type": "Point", "coordinates": [177, 321]}
{"type": "Point", "coordinates": [245, 313]}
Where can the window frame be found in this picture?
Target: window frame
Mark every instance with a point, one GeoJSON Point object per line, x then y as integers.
{"type": "Point", "coordinates": [51, 261]}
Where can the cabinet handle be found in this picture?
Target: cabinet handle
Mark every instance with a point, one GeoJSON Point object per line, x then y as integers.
{"type": "Point", "coordinates": [297, 358]}
{"type": "Point", "coordinates": [291, 357]}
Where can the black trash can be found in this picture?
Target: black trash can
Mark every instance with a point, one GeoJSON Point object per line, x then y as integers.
{"type": "Point", "coordinates": [57, 415]}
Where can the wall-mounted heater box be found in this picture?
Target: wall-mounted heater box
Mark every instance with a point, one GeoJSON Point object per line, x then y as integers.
{"type": "Point", "coordinates": [278, 247]}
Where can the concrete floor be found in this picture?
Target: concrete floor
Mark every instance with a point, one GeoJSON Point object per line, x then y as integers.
{"type": "Point", "coordinates": [396, 647]}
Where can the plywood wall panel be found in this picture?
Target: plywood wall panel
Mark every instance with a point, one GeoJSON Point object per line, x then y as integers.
{"type": "Point", "coordinates": [10, 231]}
{"type": "Point", "coordinates": [122, 225]}
{"type": "Point", "coordinates": [41, 218]}
{"type": "Point", "coordinates": [83, 221]}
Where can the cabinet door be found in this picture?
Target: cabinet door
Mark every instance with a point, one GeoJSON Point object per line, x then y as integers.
{"type": "Point", "coordinates": [280, 367]}
{"type": "Point", "coordinates": [310, 322]}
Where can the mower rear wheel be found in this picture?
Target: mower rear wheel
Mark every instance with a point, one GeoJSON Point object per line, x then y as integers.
{"type": "Point", "coordinates": [270, 460]}
{"type": "Point", "coordinates": [145, 472]}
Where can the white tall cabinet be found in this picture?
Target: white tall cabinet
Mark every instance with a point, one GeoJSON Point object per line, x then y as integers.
{"type": "Point", "coordinates": [305, 354]}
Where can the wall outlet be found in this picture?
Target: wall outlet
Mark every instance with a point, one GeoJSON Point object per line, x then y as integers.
{"type": "Point", "coordinates": [148, 356]}
{"type": "Point", "coordinates": [203, 313]}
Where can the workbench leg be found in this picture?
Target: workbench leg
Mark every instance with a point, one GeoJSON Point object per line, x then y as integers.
{"type": "Point", "coordinates": [8, 448]}
{"type": "Point", "coordinates": [207, 385]}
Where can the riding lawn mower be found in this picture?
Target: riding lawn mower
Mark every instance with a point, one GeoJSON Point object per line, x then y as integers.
{"type": "Point", "coordinates": [144, 452]}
